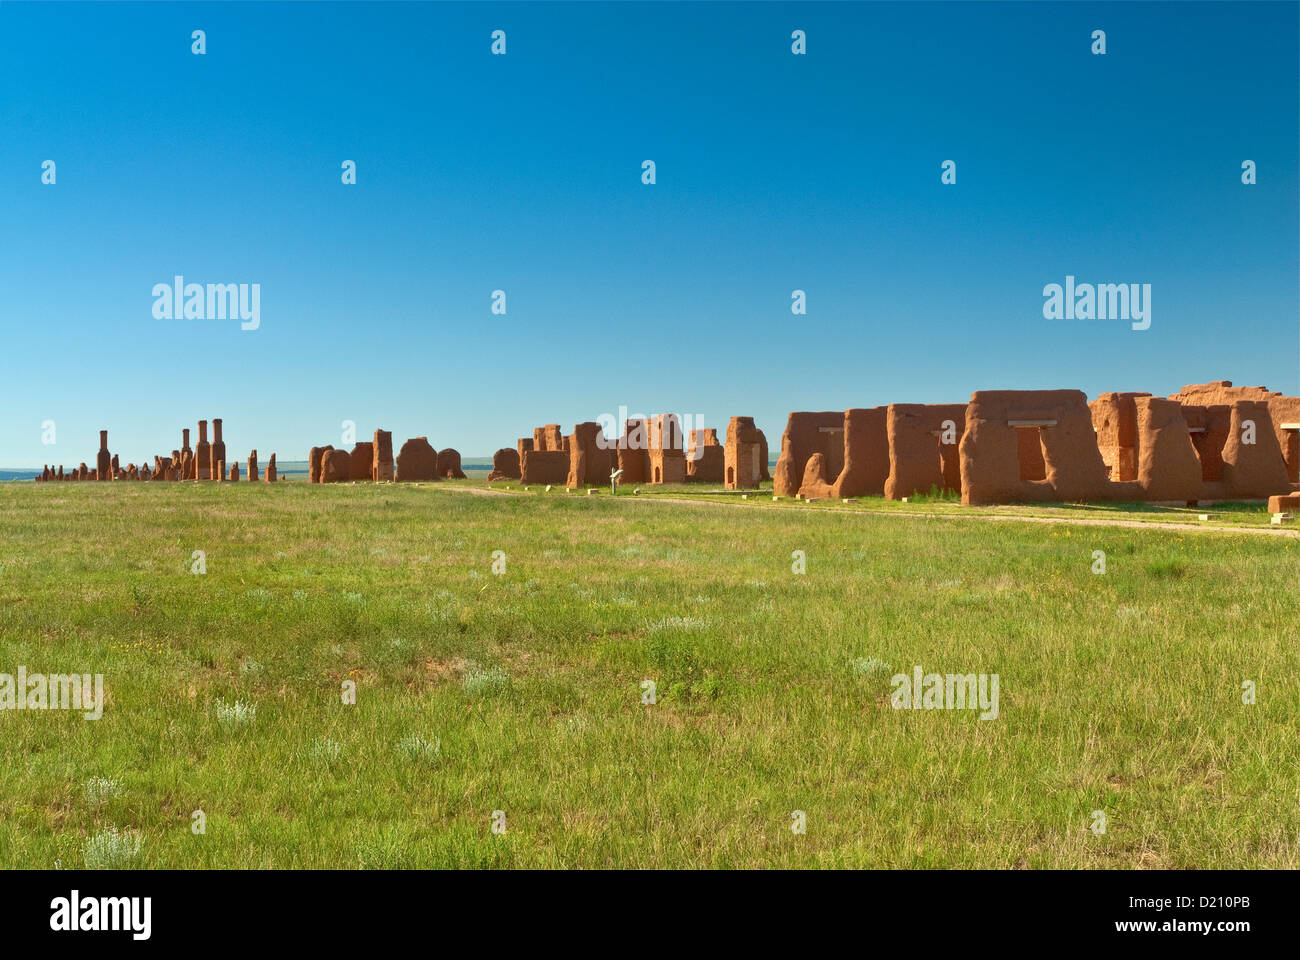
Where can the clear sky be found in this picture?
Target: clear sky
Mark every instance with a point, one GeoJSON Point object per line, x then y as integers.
{"type": "Point", "coordinates": [522, 172]}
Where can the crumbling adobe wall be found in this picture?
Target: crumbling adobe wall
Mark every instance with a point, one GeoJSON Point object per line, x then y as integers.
{"type": "Point", "coordinates": [1114, 418]}
{"type": "Point", "coordinates": [590, 462]}
{"type": "Point", "coordinates": [217, 453]}
{"type": "Point", "coordinates": [633, 457]}
{"type": "Point", "coordinates": [382, 467]}
{"type": "Point", "coordinates": [1208, 426]}
{"type": "Point", "coordinates": [667, 449]}
{"type": "Point", "coordinates": [449, 464]}
{"type": "Point", "coordinates": [866, 453]}
{"type": "Point", "coordinates": [705, 458]}
{"type": "Point", "coordinates": [202, 454]}
{"type": "Point", "coordinates": [270, 470]}
{"type": "Point", "coordinates": [804, 435]}
{"type": "Point", "coordinates": [103, 459]}
{"type": "Point", "coordinates": [336, 466]}
{"type": "Point", "coordinates": [505, 464]}
{"type": "Point", "coordinates": [990, 449]}
{"type": "Point", "coordinates": [919, 459]}
{"type": "Point", "coordinates": [544, 466]}
{"type": "Point", "coordinates": [815, 484]}
{"type": "Point", "coordinates": [362, 460]}
{"type": "Point", "coordinates": [416, 461]}
{"type": "Point", "coordinates": [314, 458]}
{"type": "Point", "coordinates": [764, 472]}
{"type": "Point", "coordinates": [1282, 409]}
{"type": "Point", "coordinates": [741, 455]}
{"type": "Point", "coordinates": [1256, 469]}
{"type": "Point", "coordinates": [1168, 467]}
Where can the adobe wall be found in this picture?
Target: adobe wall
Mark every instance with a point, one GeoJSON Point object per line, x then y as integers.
{"type": "Point", "coordinates": [361, 459]}
{"type": "Point", "coordinates": [416, 461]}
{"type": "Point", "coordinates": [990, 449]}
{"type": "Point", "coordinates": [918, 459]}
{"type": "Point", "coordinates": [505, 465]}
{"type": "Point", "coordinates": [633, 457]}
{"type": "Point", "coordinates": [449, 464]}
{"type": "Point", "coordinates": [806, 434]}
{"type": "Point", "coordinates": [314, 458]}
{"type": "Point", "coordinates": [589, 463]}
{"type": "Point", "coordinates": [336, 466]}
{"type": "Point", "coordinates": [544, 466]}
{"type": "Point", "coordinates": [382, 467]}
{"type": "Point", "coordinates": [705, 457]}
{"type": "Point", "coordinates": [667, 449]}
{"type": "Point", "coordinates": [1167, 466]}
{"type": "Point", "coordinates": [1252, 470]}
{"type": "Point", "coordinates": [1282, 410]}
{"type": "Point", "coordinates": [741, 453]}
{"type": "Point", "coordinates": [1114, 418]}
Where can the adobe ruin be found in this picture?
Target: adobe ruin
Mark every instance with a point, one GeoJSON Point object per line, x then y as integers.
{"type": "Point", "coordinates": [651, 450]}
{"type": "Point", "coordinates": [315, 458]}
{"type": "Point", "coordinates": [1208, 442]}
{"type": "Point", "coordinates": [182, 464]}
{"type": "Point", "coordinates": [382, 468]}
{"type": "Point", "coordinates": [416, 461]}
{"type": "Point", "coordinates": [362, 460]}
{"type": "Point", "coordinates": [203, 454]}
{"type": "Point", "coordinates": [449, 465]}
{"type": "Point", "coordinates": [743, 454]}
{"type": "Point", "coordinates": [218, 451]}
{"type": "Point", "coordinates": [335, 466]}
{"type": "Point", "coordinates": [505, 465]}
{"type": "Point", "coordinates": [705, 457]}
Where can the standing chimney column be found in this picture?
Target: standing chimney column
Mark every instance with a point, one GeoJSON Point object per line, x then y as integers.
{"type": "Point", "coordinates": [218, 452]}
{"type": "Point", "coordinates": [103, 460]}
{"type": "Point", "coordinates": [203, 454]}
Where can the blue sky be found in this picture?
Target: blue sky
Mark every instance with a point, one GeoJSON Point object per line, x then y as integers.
{"type": "Point", "coordinates": [522, 172]}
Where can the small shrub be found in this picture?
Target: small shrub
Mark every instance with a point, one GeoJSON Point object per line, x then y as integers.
{"type": "Point", "coordinates": [870, 667]}
{"type": "Point", "coordinates": [110, 849]}
{"type": "Point", "coordinates": [419, 750]}
{"type": "Point", "coordinates": [100, 790]}
{"type": "Point", "coordinates": [233, 716]}
{"type": "Point", "coordinates": [486, 683]}
{"type": "Point", "coordinates": [324, 750]}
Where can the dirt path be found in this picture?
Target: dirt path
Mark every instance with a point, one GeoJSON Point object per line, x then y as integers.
{"type": "Point", "coordinates": [1015, 518]}
{"type": "Point", "coordinates": [1209, 527]}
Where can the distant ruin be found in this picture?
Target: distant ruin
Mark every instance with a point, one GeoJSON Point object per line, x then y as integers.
{"type": "Point", "coordinates": [652, 450]}
{"type": "Point", "coordinates": [206, 462]}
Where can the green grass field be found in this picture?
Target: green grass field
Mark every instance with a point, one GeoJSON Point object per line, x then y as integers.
{"type": "Point", "coordinates": [522, 692]}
